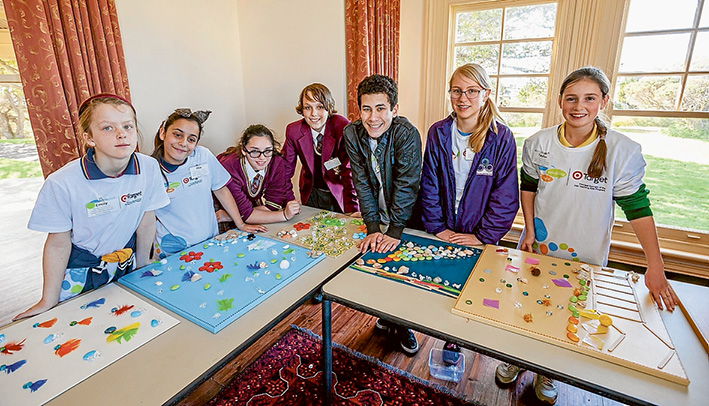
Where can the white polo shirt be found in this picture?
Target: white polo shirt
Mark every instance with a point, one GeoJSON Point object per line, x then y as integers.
{"type": "Point", "coordinates": [189, 218]}
{"type": "Point", "coordinates": [101, 212]}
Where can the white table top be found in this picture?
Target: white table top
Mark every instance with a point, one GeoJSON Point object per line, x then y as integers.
{"type": "Point", "coordinates": [154, 373]}
{"type": "Point", "coordinates": [432, 312]}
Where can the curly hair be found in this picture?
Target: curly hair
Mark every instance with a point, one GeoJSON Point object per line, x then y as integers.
{"type": "Point", "coordinates": [378, 84]}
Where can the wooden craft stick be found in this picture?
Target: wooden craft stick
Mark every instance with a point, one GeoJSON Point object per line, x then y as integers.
{"type": "Point", "coordinates": [612, 282]}
{"type": "Point", "coordinates": [666, 359]}
{"type": "Point", "coordinates": [597, 286]}
{"type": "Point", "coordinates": [618, 341]}
{"type": "Point", "coordinates": [617, 298]}
{"type": "Point", "coordinates": [660, 338]}
{"type": "Point", "coordinates": [622, 317]}
{"type": "Point", "coordinates": [617, 329]}
{"type": "Point", "coordinates": [693, 324]}
{"type": "Point", "coordinates": [618, 306]}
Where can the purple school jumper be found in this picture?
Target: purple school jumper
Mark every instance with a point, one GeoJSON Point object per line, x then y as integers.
{"type": "Point", "coordinates": [275, 190]}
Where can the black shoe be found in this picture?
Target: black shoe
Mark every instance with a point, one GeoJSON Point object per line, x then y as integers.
{"type": "Point", "coordinates": [408, 342]}
{"type": "Point", "coordinates": [450, 353]}
{"type": "Point", "coordinates": [384, 326]}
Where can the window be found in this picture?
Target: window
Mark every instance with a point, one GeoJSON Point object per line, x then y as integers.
{"type": "Point", "coordinates": [659, 66]}
{"type": "Point", "coordinates": [514, 45]}
{"type": "Point", "coordinates": [14, 120]}
{"type": "Point", "coordinates": [661, 101]}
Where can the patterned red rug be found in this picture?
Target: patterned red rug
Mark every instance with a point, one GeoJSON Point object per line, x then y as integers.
{"type": "Point", "coordinates": [289, 373]}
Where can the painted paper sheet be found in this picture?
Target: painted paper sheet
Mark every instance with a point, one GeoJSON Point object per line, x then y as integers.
{"type": "Point", "coordinates": [43, 356]}
{"type": "Point", "coordinates": [215, 282]}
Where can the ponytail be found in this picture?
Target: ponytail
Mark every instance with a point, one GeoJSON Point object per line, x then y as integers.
{"type": "Point", "coordinates": [598, 161]}
{"type": "Point", "coordinates": [159, 144]}
{"type": "Point", "coordinates": [487, 117]}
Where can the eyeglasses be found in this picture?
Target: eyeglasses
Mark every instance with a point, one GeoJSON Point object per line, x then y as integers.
{"type": "Point", "coordinates": [254, 153]}
{"type": "Point", "coordinates": [470, 93]}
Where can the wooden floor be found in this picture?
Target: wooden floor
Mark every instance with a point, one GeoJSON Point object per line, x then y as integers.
{"type": "Point", "coordinates": [356, 331]}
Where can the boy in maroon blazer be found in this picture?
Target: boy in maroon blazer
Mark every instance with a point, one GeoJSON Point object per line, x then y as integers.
{"type": "Point", "coordinates": [325, 177]}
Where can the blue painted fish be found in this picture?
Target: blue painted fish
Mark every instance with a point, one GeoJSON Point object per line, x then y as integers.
{"type": "Point", "coordinates": [96, 303]}
{"type": "Point", "coordinates": [12, 367]}
{"type": "Point", "coordinates": [33, 386]}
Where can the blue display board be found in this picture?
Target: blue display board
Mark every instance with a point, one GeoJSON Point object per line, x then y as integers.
{"type": "Point", "coordinates": [424, 263]}
{"type": "Point", "coordinates": [215, 282]}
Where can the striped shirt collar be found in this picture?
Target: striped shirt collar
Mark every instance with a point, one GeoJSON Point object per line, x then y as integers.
{"type": "Point", "coordinates": [168, 167]}
{"type": "Point", "coordinates": [92, 171]}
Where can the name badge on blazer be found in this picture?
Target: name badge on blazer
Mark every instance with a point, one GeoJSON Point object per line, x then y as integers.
{"type": "Point", "coordinates": [332, 163]}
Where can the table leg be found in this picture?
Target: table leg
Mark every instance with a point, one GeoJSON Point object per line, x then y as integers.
{"type": "Point", "coordinates": [327, 350]}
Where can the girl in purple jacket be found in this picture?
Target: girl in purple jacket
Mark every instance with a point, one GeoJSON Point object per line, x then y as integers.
{"type": "Point", "coordinates": [469, 192]}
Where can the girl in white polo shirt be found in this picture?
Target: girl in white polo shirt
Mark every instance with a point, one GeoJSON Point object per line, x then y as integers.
{"type": "Point", "coordinates": [571, 176]}
{"type": "Point", "coordinates": [191, 174]}
{"type": "Point", "coordinates": [98, 209]}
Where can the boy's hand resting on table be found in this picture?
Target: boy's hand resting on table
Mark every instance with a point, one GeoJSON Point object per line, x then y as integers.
{"type": "Point", "coordinates": [378, 242]}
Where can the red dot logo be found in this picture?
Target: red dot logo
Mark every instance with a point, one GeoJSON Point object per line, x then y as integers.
{"type": "Point", "coordinates": [186, 180]}
{"type": "Point", "coordinates": [577, 175]}
{"type": "Point", "coordinates": [124, 198]}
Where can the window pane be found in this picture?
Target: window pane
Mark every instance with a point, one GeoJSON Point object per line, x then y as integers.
{"type": "Point", "coordinates": [655, 15]}
{"type": "Point", "coordinates": [677, 173]}
{"type": "Point", "coordinates": [654, 53]}
{"type": "Point", "coordinates": [484, 25]}
{"type": "Point", "coordinates": [522, 92]}
{"type": "Point", "coordinates": [696, 93]}
{"type": "Point", "coordinates": [526, 57]}
{"type": "Point", "coordinates": [704, 22]}
{"type": "Point", "coordinates": [14, 119]}
{"type": "Point", "coordinates": [485, 55]}
{"type": "Point", "coordinates": [530, 21]}
{"type": "Point", "coordinates": [647, 93]}
{"type": "Point", "coordinates": [700, 56]}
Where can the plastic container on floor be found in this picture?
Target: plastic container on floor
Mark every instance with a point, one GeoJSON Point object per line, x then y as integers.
{"type": "Point", "coordinates": [446, 371]}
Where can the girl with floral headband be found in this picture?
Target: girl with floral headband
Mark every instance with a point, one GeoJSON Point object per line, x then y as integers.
{"type": "Point", "coordinates": [191, 174]}
{"type": "Point", "coordinates": [98, 210]}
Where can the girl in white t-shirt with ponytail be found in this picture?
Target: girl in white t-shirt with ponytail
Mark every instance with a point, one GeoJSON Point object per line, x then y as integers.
{"type": "Point", "coordinates": [571, 176]}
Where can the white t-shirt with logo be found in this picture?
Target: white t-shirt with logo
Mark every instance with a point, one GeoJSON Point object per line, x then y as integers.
{"type": "Point", "coordinates": [190, 214]}
{"type": "Point", "coordinates": [102, 214]}
{"type": "Point", "coordinates": [573, 213]}
{"type": "Point", "coordinates": [463, 157]}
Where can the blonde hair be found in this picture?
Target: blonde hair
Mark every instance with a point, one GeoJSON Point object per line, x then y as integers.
{"type": "Point", "coordinates": [87, 109]}
{"type": "Point", "coordinates": [598, 161]}
{"type": "Point", "coordinates": [489, 113]}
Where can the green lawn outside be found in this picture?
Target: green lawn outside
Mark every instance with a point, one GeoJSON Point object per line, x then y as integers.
{"type": "Point", "coordinates": [19, 141]}
{"type": "Point", "coordinates": [679, 191]}
{"type": "Point", "coordinates": [14, 169]}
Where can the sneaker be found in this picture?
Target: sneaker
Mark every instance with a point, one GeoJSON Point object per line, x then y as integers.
{"type": "Point", "coordinates": [383, 326]}
{"type": "Point", "coordinates": [408, 342]}
{"type": "Point", "coordinates": [450, 353]}
{"type": "Point", "coordinates": [545, 389]}
{"type": "Point", "coordinates": [507, 373]}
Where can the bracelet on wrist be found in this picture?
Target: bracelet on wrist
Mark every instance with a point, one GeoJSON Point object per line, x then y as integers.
{"type": "Point", "coordinates": [284, 215]}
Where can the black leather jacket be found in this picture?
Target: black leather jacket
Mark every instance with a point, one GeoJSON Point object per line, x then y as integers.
{"type": "Point", "coordinates": [399, 155]}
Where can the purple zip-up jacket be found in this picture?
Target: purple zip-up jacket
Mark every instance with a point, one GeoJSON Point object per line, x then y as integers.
{"type": "Point", "coordinates": [491, 196]}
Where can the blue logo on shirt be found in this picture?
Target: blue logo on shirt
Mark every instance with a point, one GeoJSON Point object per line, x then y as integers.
{"type": "Point", "coordinates": [484, 168]}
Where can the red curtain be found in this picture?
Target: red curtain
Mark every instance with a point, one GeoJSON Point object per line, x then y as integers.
{"type": "Point", "coordinates": [67, 50]}
{"type": "Point", "coordinates": [372, 37]}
